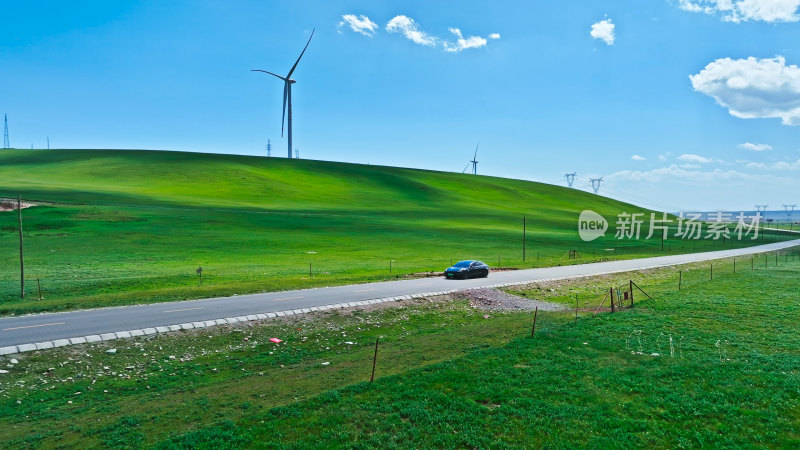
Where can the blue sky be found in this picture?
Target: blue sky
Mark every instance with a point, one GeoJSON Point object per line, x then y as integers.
{"type": "Point", "coordinates": [544, 97]}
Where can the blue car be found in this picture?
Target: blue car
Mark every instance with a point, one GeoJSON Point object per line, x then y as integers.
{"type": "Point", "coordinates": [467, 269]}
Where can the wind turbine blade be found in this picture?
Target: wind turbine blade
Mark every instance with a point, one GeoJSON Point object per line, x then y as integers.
{"type": "Point", "coordinates": [259, 70]}
{"type": "Point", "coordinates": [301, 54]}
{"type": "Point", "coordinates": [283, 114]}
{"type": "Point", "coordinates": [476, 150]}
{"type": "Point", "coordinates": [465, 168]}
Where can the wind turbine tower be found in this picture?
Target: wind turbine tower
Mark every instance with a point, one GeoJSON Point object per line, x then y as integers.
{"type": "Point", "coordinates": [269, 148]}
{"type": "Point", "coordinates": [570, 178]}
{"type": "Point", "coordinates": [287, 93]}
{"type": "Point", "coordinates": [475, 160]}
{"type": "Point", "coordinates": [6, 143]}
{"type": "Point", "coordinates": [596, 184]}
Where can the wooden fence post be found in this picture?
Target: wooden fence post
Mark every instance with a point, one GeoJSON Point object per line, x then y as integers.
{"type": "Point", "coordinates": [374, 360]}
{"type": "Point", "coordinates": [631, 289]}
{"type": "Point", "coordinates": [611, 292]}
{"type": "Point", "coordinates": [535, 313]}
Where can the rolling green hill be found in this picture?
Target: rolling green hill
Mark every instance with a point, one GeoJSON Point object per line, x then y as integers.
{"type": "Point", "coordinates": [121, 227]}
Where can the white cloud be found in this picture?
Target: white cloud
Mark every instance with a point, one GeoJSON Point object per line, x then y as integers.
{"type": "Point", "coordinates": [753, 88]}
{"type": "Point", "coordinates": [688, 157]}
{"type": "Point", "coordinates": [746, 10]}
{"type": "Point", "coordinates": [785, 165]}
{"type": "Point", "coordinates": [755, 147]}
{"type": "Point", "coordinates": [360, 24]}
{"type": "Point", "coordinates": [703, 188]}
{"type": "Point", "coordinates": [461, 43]}
{"type": "Point", "coordinates": [638, 158]}
{"type": "Point", "coordinates": [603, 30]}
{"type": "Point", "coordinates": [780, 165]}
{"type": "Point", "coordinates": [688, 174]}
{"type": "Point", "coordinates": [410, 29]}
{"type": "Point", "coordinates": [690, 166]}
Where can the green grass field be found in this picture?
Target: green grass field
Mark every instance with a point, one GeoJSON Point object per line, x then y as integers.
{"type": "Point", "coordinates": [448, 375]}
{"type": "Point", "coordinates": [123, 227]}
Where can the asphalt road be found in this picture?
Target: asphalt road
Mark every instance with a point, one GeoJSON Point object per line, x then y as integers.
{"type": "Point", "coordinates": [52, 326]}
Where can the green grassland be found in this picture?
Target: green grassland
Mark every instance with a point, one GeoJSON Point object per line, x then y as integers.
{"type": "Point", "coordinates": [714, 364]}
{"type": "Point", "coordinates": [123, 227]}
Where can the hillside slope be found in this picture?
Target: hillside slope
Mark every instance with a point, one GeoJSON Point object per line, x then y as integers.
{"type": "Point", "coordinates": [119, 227]}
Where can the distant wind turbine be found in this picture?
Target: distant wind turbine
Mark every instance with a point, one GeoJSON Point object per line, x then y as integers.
{"type": "Point", "coordinates": [287, 93]}
{"type": "Point", "coordinates": [475, 160]}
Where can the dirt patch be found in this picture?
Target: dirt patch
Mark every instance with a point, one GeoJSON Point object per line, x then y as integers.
{"type": "Point", "coordinates": [495, 300]}
{"type": "Point", "coordinates": [9, 204]}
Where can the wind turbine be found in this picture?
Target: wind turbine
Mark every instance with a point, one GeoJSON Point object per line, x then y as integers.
{"type": "Point", "coordinates": [475, 160]}
{"type": "Point", "coordinates": [287, 93]}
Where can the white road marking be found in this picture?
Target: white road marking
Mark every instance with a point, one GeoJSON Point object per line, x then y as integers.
{"type": "Point", "coordinates": [181, 310]}
{"type": "Point", "coordinates": [286, 298]}
{"type": "Point", "coordinates": [34, 326]}
{"type": "Point", "coordinates": [365, 290]}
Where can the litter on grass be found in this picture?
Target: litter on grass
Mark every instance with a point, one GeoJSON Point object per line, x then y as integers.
{"type": "Point", "coordinates": [275, 340]}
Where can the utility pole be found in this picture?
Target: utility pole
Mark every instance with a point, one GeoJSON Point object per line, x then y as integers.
{"type": "Point", "coordinates": [48, 142]}
{"type": "Point", "coordinates": [269, 148]}
{"type": "Point", "coordinates": [596, 184]}
{"type": "Point", "coordinates": [524, 233]}
{"type": "Point", "coordinates": [570, 178]}
{"type": "Point", "coordinates": [297, 153]}
{"type": "Point", "coordinates": [21, 257]}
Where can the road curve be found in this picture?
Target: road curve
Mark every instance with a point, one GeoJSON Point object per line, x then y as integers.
{"type": "Point", "coordinates": [42, 328]}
